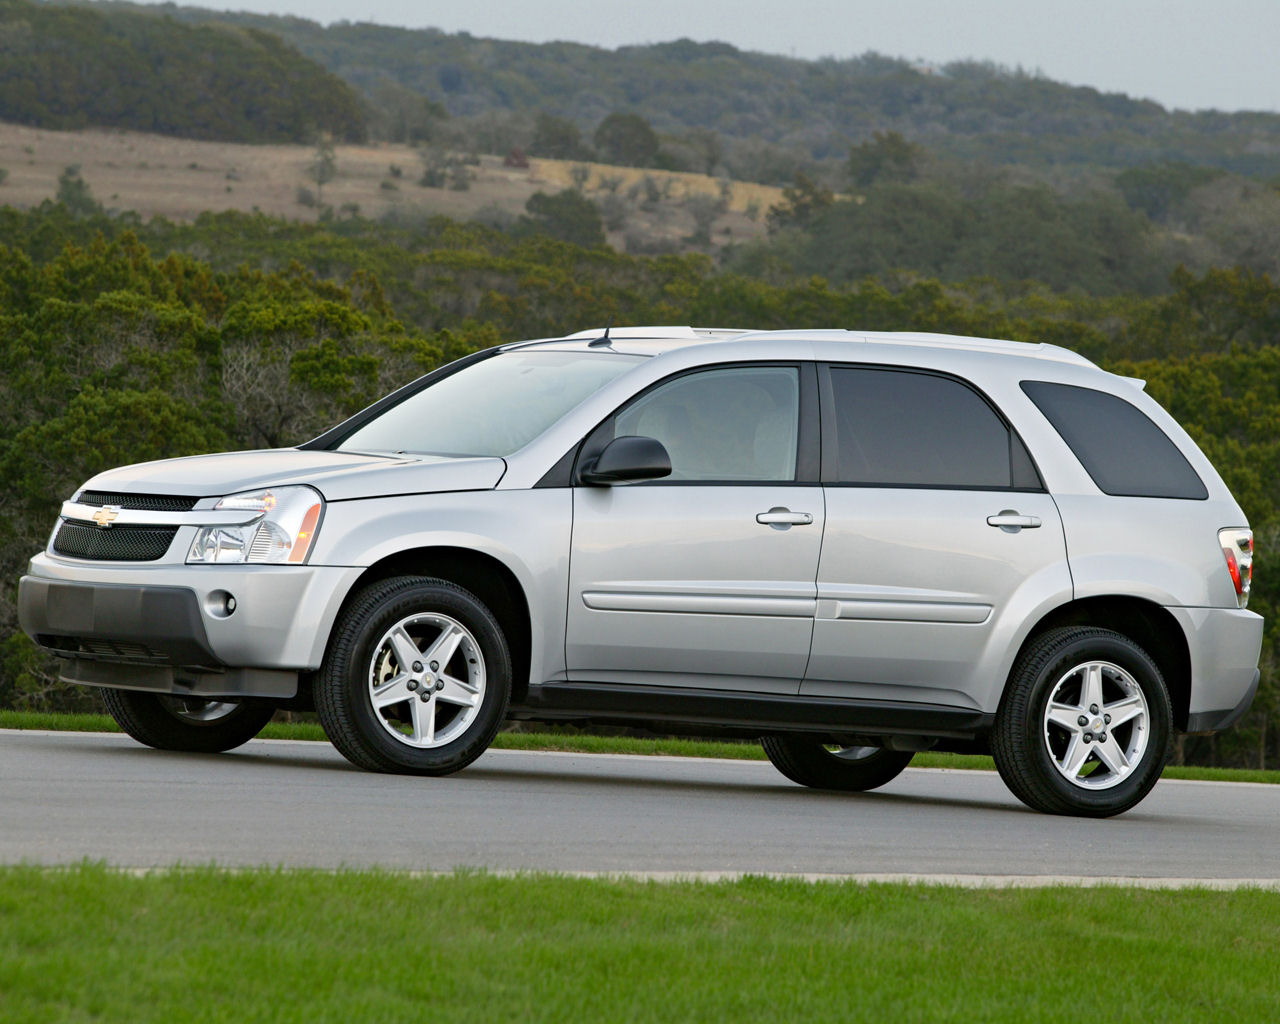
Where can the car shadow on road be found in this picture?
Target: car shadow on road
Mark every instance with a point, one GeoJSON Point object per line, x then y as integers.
{"type": "Point", "coordinates": [782, 790]}
{"type": "Point", "coordinates": [323, 757]}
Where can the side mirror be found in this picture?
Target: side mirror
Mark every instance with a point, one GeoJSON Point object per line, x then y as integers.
{"type": "Point", "coordinates": [628, 458]}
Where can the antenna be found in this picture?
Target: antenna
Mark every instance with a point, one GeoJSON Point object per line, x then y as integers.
{"type": "Point", "coordinates": [603, 340]}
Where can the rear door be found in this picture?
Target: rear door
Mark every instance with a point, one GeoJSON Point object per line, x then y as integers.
{"type": "Point", "coordinates": [704, 579]}
{"type": "Point", "coordinates": [937, 527]}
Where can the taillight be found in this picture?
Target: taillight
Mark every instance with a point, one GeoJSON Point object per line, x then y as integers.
{"type": "Point", "coordinates": [1237, 548]}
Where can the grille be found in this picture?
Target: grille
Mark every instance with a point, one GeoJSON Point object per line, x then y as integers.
{"type": "Point", "coordinates": [115, 544]}
{"type": "Point", "coordinates": [145, 502]}
{"type": "Point", "coordinates": [103, 650]}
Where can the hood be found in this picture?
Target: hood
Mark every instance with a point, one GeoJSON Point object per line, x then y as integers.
{"type": "Point", "coordinates": [336, 475]}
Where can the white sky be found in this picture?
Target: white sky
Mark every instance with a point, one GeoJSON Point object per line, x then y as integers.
{"type": "Point", "coordinates": [1191, 54]}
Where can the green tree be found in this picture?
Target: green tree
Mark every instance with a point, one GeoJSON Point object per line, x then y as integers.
{"type": "Point", "coordinates": [568, 216]}
{"type": "Point", "coordinates": [558, 138]}
{"type": "Point", "coordinates": [324, 165]}
{"type": "Point", "coordinates": [1159, 190]}
{"type": "Point", "coordinates": [885, 157]}
{"type": "Point", "coordinates": [801, 203]}
{"type": "Point", "coordinates": [74, 193]}
{"type": "Point", "coordinates": [626, 139]}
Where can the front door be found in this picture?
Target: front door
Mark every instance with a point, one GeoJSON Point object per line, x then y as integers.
{"type": "Point", "coordinates": [704, 579]}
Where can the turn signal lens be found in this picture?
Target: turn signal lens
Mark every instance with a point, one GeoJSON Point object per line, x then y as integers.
{"type": "Point", "coordinates": [1237, 549]}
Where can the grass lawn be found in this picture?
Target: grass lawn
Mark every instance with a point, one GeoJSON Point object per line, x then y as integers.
{"type": "Point", "coordinates": [579, 743]}
{"type": "Point", "coordinates": [90, 944]}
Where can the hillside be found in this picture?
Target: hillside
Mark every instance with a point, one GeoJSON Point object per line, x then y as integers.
{"type": "Point", "coordinates": [156, 175]}
{"type": "Point", "coordinates": [70, 67]}
{"type": "Point", "coordinates": [966, 111]}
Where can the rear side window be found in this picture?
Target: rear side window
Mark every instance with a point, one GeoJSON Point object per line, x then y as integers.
{"type": "Point", "coordinates": [1118, 445]}
{"type": "Point", "coordinates": [899, 428]}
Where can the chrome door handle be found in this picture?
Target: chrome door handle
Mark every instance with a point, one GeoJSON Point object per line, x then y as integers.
{"type": "Point", "coordinates": [1011, 520]}
{"type": "Point", "coordinates": [784, 517]}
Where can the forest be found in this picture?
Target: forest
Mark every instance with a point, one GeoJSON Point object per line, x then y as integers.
{"type": "Point", "coordinates": [123, 340]}
{"type": "Point", "coordinates": [767, 112]}
{"type": "Point", "coordinates": [73, 67]}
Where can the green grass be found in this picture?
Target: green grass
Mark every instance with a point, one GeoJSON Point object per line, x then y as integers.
{"type": "Point", "coordinates": [576, 742]}
{"type": "Point", "coordinates": [90, 944]}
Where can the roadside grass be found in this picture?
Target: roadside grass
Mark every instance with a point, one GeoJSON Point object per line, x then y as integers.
{"type": "Point", "coordinates": [581, 743]}
{"type": "Point", "coordinates": [89, 943]}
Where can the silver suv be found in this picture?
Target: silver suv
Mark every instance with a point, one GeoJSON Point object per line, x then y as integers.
{"type": "Point", "coordinates": [855, 546]}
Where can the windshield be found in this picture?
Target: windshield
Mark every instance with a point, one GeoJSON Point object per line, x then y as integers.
{"type": "Point", "coordinates": [493, 407]}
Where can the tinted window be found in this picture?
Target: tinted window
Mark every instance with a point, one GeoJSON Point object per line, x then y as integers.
{"type": "Point", "coordinates": [737, 423]}
{"type": "Point", "coordinates": [1120, 448]}
{"type": "Point", "coordinates": [898, 428]}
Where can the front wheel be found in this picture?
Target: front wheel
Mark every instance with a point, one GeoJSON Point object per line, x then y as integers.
{"type": "Point", "coordinates": [1085, 724]}
{"type": "Point", "coordinates": [186, 723]}
{"type": "Point", "coordinates": [416, 679]}
{"type": "Point", "coordinates": [810, 762]}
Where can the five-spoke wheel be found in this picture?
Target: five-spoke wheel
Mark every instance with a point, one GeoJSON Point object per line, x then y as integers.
{"type": "Point", "coordinates": [427, 680]}
{"type": "Point", "coordinates": [416, 678]}
{"type": "Point", "coordinates": [1084, 725]}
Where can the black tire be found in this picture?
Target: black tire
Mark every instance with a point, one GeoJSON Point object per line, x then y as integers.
{"type": "Point", "coordinates": [809, 762]}
{"type": "Point", "coordinates": [1029, 750]}
{"type": "Point", "coordinates": [383, 741]}
{"type": "Point", "coordinates": [186, 723]}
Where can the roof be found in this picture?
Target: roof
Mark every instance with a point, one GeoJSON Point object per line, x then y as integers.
{"type": "Point", "coordinates": [657, 339]}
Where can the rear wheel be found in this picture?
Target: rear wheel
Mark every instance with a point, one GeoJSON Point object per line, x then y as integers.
{"type": "Point", "coordinates": [810, 762]}
{"type": "Point", "coordinates": [186, 723]}
{"type": "Point", "coordinates": [1085, 724]}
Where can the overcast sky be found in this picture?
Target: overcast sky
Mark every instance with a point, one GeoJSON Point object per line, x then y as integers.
{"type": "Point", "coordinates": [1192, 54]}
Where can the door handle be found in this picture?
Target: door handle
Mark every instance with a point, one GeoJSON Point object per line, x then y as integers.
{"type": "Point", "coordinates": [1012, 521]}
{"type": "Point", "coordinates": [779, 516]}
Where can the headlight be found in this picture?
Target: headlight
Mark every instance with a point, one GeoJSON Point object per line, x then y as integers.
{"type": "Point", "coordinates": [281, 532]}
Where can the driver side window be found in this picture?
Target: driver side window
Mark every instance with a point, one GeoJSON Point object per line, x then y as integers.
{"type": "Point", "coordinates": [727, 424]}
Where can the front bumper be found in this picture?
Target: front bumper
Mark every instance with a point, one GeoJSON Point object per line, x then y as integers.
{"type": "Point", "coordinates": [166, 628]}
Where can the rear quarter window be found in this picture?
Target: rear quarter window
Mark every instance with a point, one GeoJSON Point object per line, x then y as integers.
{"type": "Point", "coordinates": [1123, 451]}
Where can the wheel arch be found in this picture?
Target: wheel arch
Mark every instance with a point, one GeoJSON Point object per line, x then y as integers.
{"type": "Point", "coordinates": [485, 576]}
{"type": "Point", "coordinates": [1147, 624]}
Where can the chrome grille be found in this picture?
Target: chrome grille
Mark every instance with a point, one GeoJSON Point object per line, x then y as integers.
{"type": "Point", "coordinates": [114, 544]}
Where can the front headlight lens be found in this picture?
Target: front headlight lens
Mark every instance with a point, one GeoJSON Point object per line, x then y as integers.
{"type": "Point", "coordinates": [282, 532]}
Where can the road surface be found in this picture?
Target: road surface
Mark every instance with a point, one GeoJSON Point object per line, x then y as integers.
{"type": "Point", "coordinates": [69, 796]}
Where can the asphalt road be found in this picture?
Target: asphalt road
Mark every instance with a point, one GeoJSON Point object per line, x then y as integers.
{"type": "Point", "coordinates": [69, 796]}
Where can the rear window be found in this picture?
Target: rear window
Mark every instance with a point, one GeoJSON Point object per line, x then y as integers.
{"type": "Point", "coordinates": [1118, 445]}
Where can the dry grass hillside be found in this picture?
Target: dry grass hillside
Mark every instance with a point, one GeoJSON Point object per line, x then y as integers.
{"type": "Point", "coordinates": [179, 178]}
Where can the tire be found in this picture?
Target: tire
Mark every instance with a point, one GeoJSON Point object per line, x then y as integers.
{"type": "Point", "coordinates": [1085, 724]}
{"type": "Point", "coordinates": [809, 762]}
{"type": "Point", "coordinates": [191, 724]}
{"type": "Point", "coordinates": [416, 679]}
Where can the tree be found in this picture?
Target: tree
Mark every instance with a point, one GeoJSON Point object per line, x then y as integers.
{"type": "Point", "coordinates": [568, 216]}
{"type": "Point", "coordinates": [707, 148]}
{"type": "Point", "coordinates": [324, 167]}
{"type": "Point", "coordinates": [801, 203]}
{"type": "Point", "coordinates": [885, 157]}
{"type": "Point", "coordinates": [626, 139]}
{"type": "Point", "coordinates": [558, 138]}
{"type": "Point", "coordinates": [74, 193]}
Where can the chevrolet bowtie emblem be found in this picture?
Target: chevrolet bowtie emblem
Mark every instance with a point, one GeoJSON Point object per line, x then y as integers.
{"type": "Point", "coordinates": [106, 515]}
